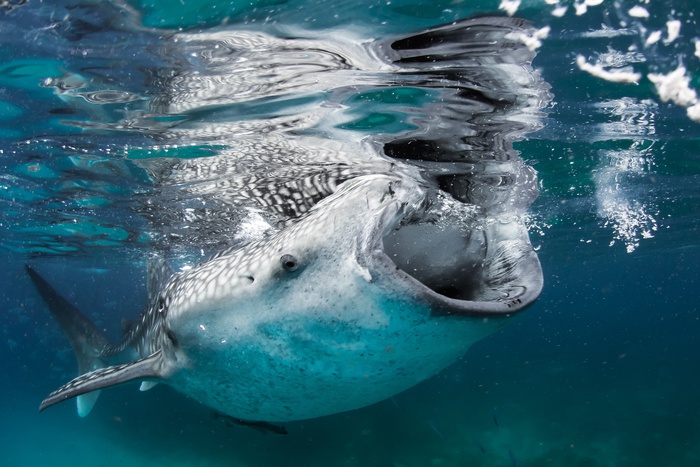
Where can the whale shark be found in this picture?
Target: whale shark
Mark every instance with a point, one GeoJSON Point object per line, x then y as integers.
{"type": "Point", "coordinates": [370, 292]}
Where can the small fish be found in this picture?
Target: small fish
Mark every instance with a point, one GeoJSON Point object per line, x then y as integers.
{"type": "Point", "coordinates": [480, 446]}
{"type": "Point", "coordinates": [262, 427]}
{"type": "Point", "coordinates": [513, 461]}
{"type": "Point", "coordinates": [434, 426]}
{"type": "Point", "coordinates": [494, 415]}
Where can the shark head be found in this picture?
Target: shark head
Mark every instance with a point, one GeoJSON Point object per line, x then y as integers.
{"type": "Point", "coordinates": [382, 229]}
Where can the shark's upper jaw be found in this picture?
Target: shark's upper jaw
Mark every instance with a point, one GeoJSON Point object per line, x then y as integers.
{"type": "Point", "coordinates": [489, 270]}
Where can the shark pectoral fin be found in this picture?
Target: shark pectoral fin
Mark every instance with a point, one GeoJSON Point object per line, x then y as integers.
{"type": "Point", "coordinates": [146, 385]}
{"type": "Point", "coordinates": [85, 402]}
{"type": "Point", "coordinates": [148, 367]}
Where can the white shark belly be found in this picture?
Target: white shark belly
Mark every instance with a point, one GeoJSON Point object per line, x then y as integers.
{"type": "Point", "coordinates": [309, 364]}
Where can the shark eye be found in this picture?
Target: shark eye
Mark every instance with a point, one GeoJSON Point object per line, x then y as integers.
{"type": "Point", "coordinates": [289, 263]}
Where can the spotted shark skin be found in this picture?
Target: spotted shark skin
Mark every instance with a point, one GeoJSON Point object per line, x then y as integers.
{"type": "Point", "coordinates": [317, 319]}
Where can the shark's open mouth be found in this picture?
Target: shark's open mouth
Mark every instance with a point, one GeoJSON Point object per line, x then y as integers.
{"type": "Point", "coordinates": [442, 260]}
{"type": "Point", "coordinates": [488, 270]}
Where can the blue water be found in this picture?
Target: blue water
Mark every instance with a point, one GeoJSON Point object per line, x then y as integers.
{"type": "Point", "coordinates": [601, 371]}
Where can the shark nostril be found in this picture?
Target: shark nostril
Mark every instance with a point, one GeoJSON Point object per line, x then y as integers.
{"type": "Point", "coordinates": [289, 263]}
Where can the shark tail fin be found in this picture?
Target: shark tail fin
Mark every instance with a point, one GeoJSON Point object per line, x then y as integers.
{"type": "Point", "coordinates": [144, 368]}
{"type": "Point", "coordinates": [87, 341]}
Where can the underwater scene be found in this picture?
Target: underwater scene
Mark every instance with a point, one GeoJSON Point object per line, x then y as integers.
{"type": "Point", "coordinates": [350, 233]}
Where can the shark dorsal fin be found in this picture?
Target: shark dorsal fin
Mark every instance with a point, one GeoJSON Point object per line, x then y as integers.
{"type": "Point", "coordinates": [144, 368]}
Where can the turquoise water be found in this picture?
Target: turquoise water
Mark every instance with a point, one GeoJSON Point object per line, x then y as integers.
{"type": "Point", "coordinates": [602, 370]}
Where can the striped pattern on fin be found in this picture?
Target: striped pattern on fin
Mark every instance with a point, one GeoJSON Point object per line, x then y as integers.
{"type": "Point", "coordinates": [148, 367]}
